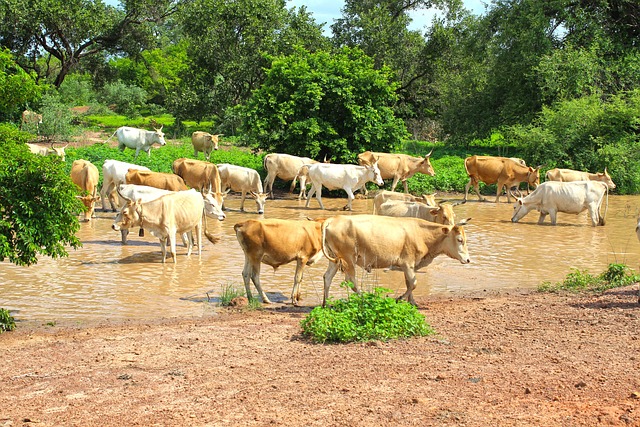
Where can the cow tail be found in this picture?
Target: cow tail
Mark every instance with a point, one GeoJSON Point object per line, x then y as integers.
{"type": "Point", "coordinates": [112, 135]}
{"type": "Point", "coordinates": [325, 250]}
{"type": "Point", "coordinates": [213, 239]}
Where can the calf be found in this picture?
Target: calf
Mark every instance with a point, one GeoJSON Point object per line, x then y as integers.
{"type": "Point", "coordinates": [347, 177]}
{"type": "Point", "coordinates": [574, 197]}
{"type": "Point", "coordinates": [85, 175]}
{"type": "Point", "coordinates": [370, 241]}
{"type": "Point", "coordinates": [442, 214]}
{"type": "Point", "coordinates": [243, 180]}
{"type": "Point", "coordinates": [276, 242]}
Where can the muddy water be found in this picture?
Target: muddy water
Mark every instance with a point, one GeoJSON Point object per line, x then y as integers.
{"type": "Point", "coordinates": [106, 280]}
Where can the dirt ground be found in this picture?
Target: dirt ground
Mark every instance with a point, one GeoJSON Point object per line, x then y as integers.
{"type": "Point", "coordinates": [504, 359]}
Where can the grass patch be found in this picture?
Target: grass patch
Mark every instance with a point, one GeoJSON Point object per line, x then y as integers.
{"type": "Point", "coordinates": [7, 322]}
{"type": "Point", "coordinates": [615, 276]}
{"type": "Point", "coordinates": [228, 293]}
{"type": "Point", "coordinates": [364, 317]}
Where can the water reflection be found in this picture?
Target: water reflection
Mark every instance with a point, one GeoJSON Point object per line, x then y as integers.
{"type": "Point", "coordinates": [105, 279]}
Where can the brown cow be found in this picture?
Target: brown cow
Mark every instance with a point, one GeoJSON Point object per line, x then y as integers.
{"type": "Point", "coordinates": [384, 195]}
{"type": "Point", "coordinates": [398, 167]}
{"type": "Point", "coordinates": [205, 142]}
{"type": "Point", "coordinates": [203, 176]}
{"type": "Point", "coordinates": [276, 242]}
{"type": "Point", "coordinates": [372, 241]}
{"type": "Point", "coordinates": [85, 175]}
{"type": "Point", "coordinates": [164, 181]}
{"type": "Point", "coordinates": [568, 175]}
{"type": "Point", "coordinates": [504, 171]}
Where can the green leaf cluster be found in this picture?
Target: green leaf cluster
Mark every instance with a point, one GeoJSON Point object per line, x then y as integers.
{"type": "Point", "coordinates": [7, 322]}
{"type": "Point", "coordinates": [364, 317]}
{"type": "Point", "coordinates": [615, 276]}
{"type": "Point", "coordinates": [322, 103]}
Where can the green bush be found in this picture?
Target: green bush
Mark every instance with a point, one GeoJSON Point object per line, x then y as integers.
{"type": "Point", "coordinates": [615, 276]}
{"type": "Point", "coordinates": [126, 99]}
{"type": "Point", "coordinates": [364, 317]}
{"type": "Point", "coordinates": [7, 322]}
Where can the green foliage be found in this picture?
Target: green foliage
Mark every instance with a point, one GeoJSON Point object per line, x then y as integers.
{"type": "Point", "coordinates": [7, 322]}
{"type": "Point", "coordinates": [38, 205]}
{"type": "Point", "coordinates": [320, 103]}
{"type": "Point", "coordinates": [126, 99]}
{"type": "Point", "coordinates": [364, 317]}
{"type": "Point", "coordinates": [228, 293]}
{"type": "Point", "coordinates": [615, 276]}
{"type": "Point", "coordinates": [56, 119]}
{"type": "Point", "coordinates": [18, 89]}
{"type": "Point", "coordinates": [77, 89]}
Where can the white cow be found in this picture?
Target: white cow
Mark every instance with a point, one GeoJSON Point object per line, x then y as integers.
{"type": "Point", "coordinates": [334, 176]}
{"type": "Point", "coordinates": [243, 180]}
{"type": "Point", "coordinates": [138, 139]}
{"type": "Point", "coordinates": [552, 197]}
{"type": "Point", "coordinates": [164, 217]}
{"type": "Point", "coordinates": [442, 214]}
{"type": "Point", "coordinates": [285, 167]}
{"type": "Point", "coordinates": [113, 174]}
{"type": "Point", "coordinates": [45, 151]}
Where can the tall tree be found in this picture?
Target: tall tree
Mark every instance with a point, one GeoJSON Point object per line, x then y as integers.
{"type": "Point", "coordinates": [52, 37]}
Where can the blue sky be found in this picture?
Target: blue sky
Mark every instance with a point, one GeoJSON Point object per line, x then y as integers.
{"type": "Point", "coordinates": [326, 11]}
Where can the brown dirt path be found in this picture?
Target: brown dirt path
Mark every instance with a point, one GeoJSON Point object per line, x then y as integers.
{"type": "Point", "coordinates": [516, 359]}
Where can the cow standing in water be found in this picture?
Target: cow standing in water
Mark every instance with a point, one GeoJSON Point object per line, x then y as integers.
{"type": "Point", "coordinates": [138, 139]}
{"type": "Point", "coordinates": [398, 167]}
{"type": "Point", "coordinates": [505, 172]}
{"type": "Point", "coordinates": [568, 175]}
{"type": "Point", "coordinates": [85, 175]}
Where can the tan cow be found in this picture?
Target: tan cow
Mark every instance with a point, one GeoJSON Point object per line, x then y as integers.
{"type": "Point", "coordinates": [85, 175]}
{"type": "Point", "coordinates": [276, 242]}
{"type": "Point", "coordinates": [203, 176]}
{"type": "Point", "coordinates": [398, 167]}
{"type": "Point", "coordinates": [45, 151]}
{"type": "Point", "coordinates": [164, 181]}
{"type": "Point", "coordinates": [504, 171]}
{"type": "Point", "coordinates": [205, 142]}
{"type": "Point", "coordinates": [441, 214]}
{"type": "Point", "coordinates": [568, 175]}
{"type": "Point", "coordinates": [285, 167]}
{"type": "Point", "coordinates": [166, 216]}
{"type": "Point", "coordinates": [371, 241]}
{"type": "Point", "coordinates": [384, 195]}
{"type": "Point", "coordinates": [30, 118]}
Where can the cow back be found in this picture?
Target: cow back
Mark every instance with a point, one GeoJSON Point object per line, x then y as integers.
{"type": "Point", "coordinates": [165, 181]}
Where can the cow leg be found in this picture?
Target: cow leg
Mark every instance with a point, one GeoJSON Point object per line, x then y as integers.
{"type": "Point", "coordinates": [293, 184]}
{"type": "Point", "coordinates": [394, 184]}
{"type": "Point", "coordinates": [199, 237]}
{"type": "Point", "coordinates": [123, 235]}
{"type": "Point", "coordinates": [595, 215]}
{"type": "Point", "coordinates": [328, 276]}
{"type": "Point", "coordinates": [310, 194]}
{"type": "Point", "coordinates": [410, 281]}
{"type": "Point", "coordinates": [542, 217]}
{"type": "Point", "coordinates": [406, 186]}
{"type": "Point", "coordinates": [244, 196]}
{"type": "Point", "coordinates": [268, 185]}
{"type": "Point", "coordinates": [350, 198]}
{"type": "Point", "coordinates": [163, 248]}
{"type": "Point", "coordinates": [499, 191]}
{"type": "Point", "coordinates": [297, 278]}
{"type": "Point", "coordinates": [303, 187]}
{"type": "Point", "coordinates": [253, 272]}
{"type": "Point", "coordinates": [172, 243]}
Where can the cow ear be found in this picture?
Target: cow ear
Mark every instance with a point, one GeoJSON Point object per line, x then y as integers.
{"type": "Point", "coordinates": [446, 230]}
{"type": "Point", "coordinates": [434, 211]}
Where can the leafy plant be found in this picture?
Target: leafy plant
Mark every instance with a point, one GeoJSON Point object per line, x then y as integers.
{"type": "Point", "coordinates": [615, 276]}
{"type": "Point", "coordinates": [7, 322]}
{"type": "Point", "coordinates": [364, 317]}
{"type": "Point", "coordinates": [228, 293]}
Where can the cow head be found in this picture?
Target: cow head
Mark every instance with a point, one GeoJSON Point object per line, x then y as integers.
{"type": "Point", "coordinates": [444, 214]}
{"type": "Point", "coordinates": [260, 198]}
{"type": "Point", "coordinates": [520, 209]}
{"type": "Point", "coordinates": [59, 151]}
{"type": "Point", "coordinates": [456, 242]}
{"type": "Point", "coordinates": [375, 170]}
{"type": "Point", "coordinates": [213, 205]}
{"type": "Point", "coordinates": [425, 165]}
{"type": "Point", "coordinates": [604, 177]}
{"type": "Point", "coordinates": [88, 202]}
{"type": "Point", "coordinates": [533, 177]}
{"type": "Point", "coordinates": [159, 136]}
{"type": "Point", "coordinates": [129, 216]}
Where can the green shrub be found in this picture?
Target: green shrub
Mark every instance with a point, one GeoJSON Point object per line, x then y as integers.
{"type": "Point", "coordinates": [228, 293]}
{"type": "Point", "coordinates": [126, 99]}
{"type": "Point", "coordinates": [364, 317]}
{"type": "Point", "coordinates": [7, 322]}
{"type": "Point", "coordinates": [615, 276]}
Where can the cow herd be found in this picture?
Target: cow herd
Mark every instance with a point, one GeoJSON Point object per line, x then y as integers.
{"type": "Point", "coordinates": [404, 233]}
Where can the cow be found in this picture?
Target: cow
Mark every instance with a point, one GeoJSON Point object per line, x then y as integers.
{"type": "Point", "coordinates": [384, 195]}
{"type": "Point", "coordinates": [347, 177]}
{"type": "Point", "coordinates": [166, 181]}
{"type": "Point", "coordinates": [205, 142]}
{"type": "Point", "coordinates": [45, 151]}
{"type": "Point", "coordinates": [504, 171]}
{"type": "Point", "coordinates": [286, 167]}
{"type": "Point", "coordinates": [85, 175]}
{"type": "Point", "coordinates": [568, 175]}
{"type": "Point", "coordinates": [243, 180]}
{"type": "Point", "coordinates": [29, 118]}
{"type": "Point", "coordinates": [442, 214]}
{"type": "Point", "coordinates": [574, 197]}
{"type": "Point", "coordinates": [138, 139]}
{"type": "Point", "coordinates": [179, 212]}
{"type": "Point", "coordinates": [113, 174]}
{"type": "Point", "coordinates": [398, 167]}
{"type": "Point", "coordinates": [203, 176]}
{"type": "Point", "coordinates": [276, 242]}
{"type": "Point", "coordinates": [371, 241]}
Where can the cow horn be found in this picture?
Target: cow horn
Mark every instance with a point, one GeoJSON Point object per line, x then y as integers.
{"type": "Point", "coordinates": [325, 160]}
{"type": "Point", "coordinates": [463, 222]}
{"type": "Point", "coordinates": [429, 155]}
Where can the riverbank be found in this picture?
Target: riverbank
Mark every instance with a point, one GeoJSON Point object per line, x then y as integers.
{"type": "Point", "coordinates": [511, 358]}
